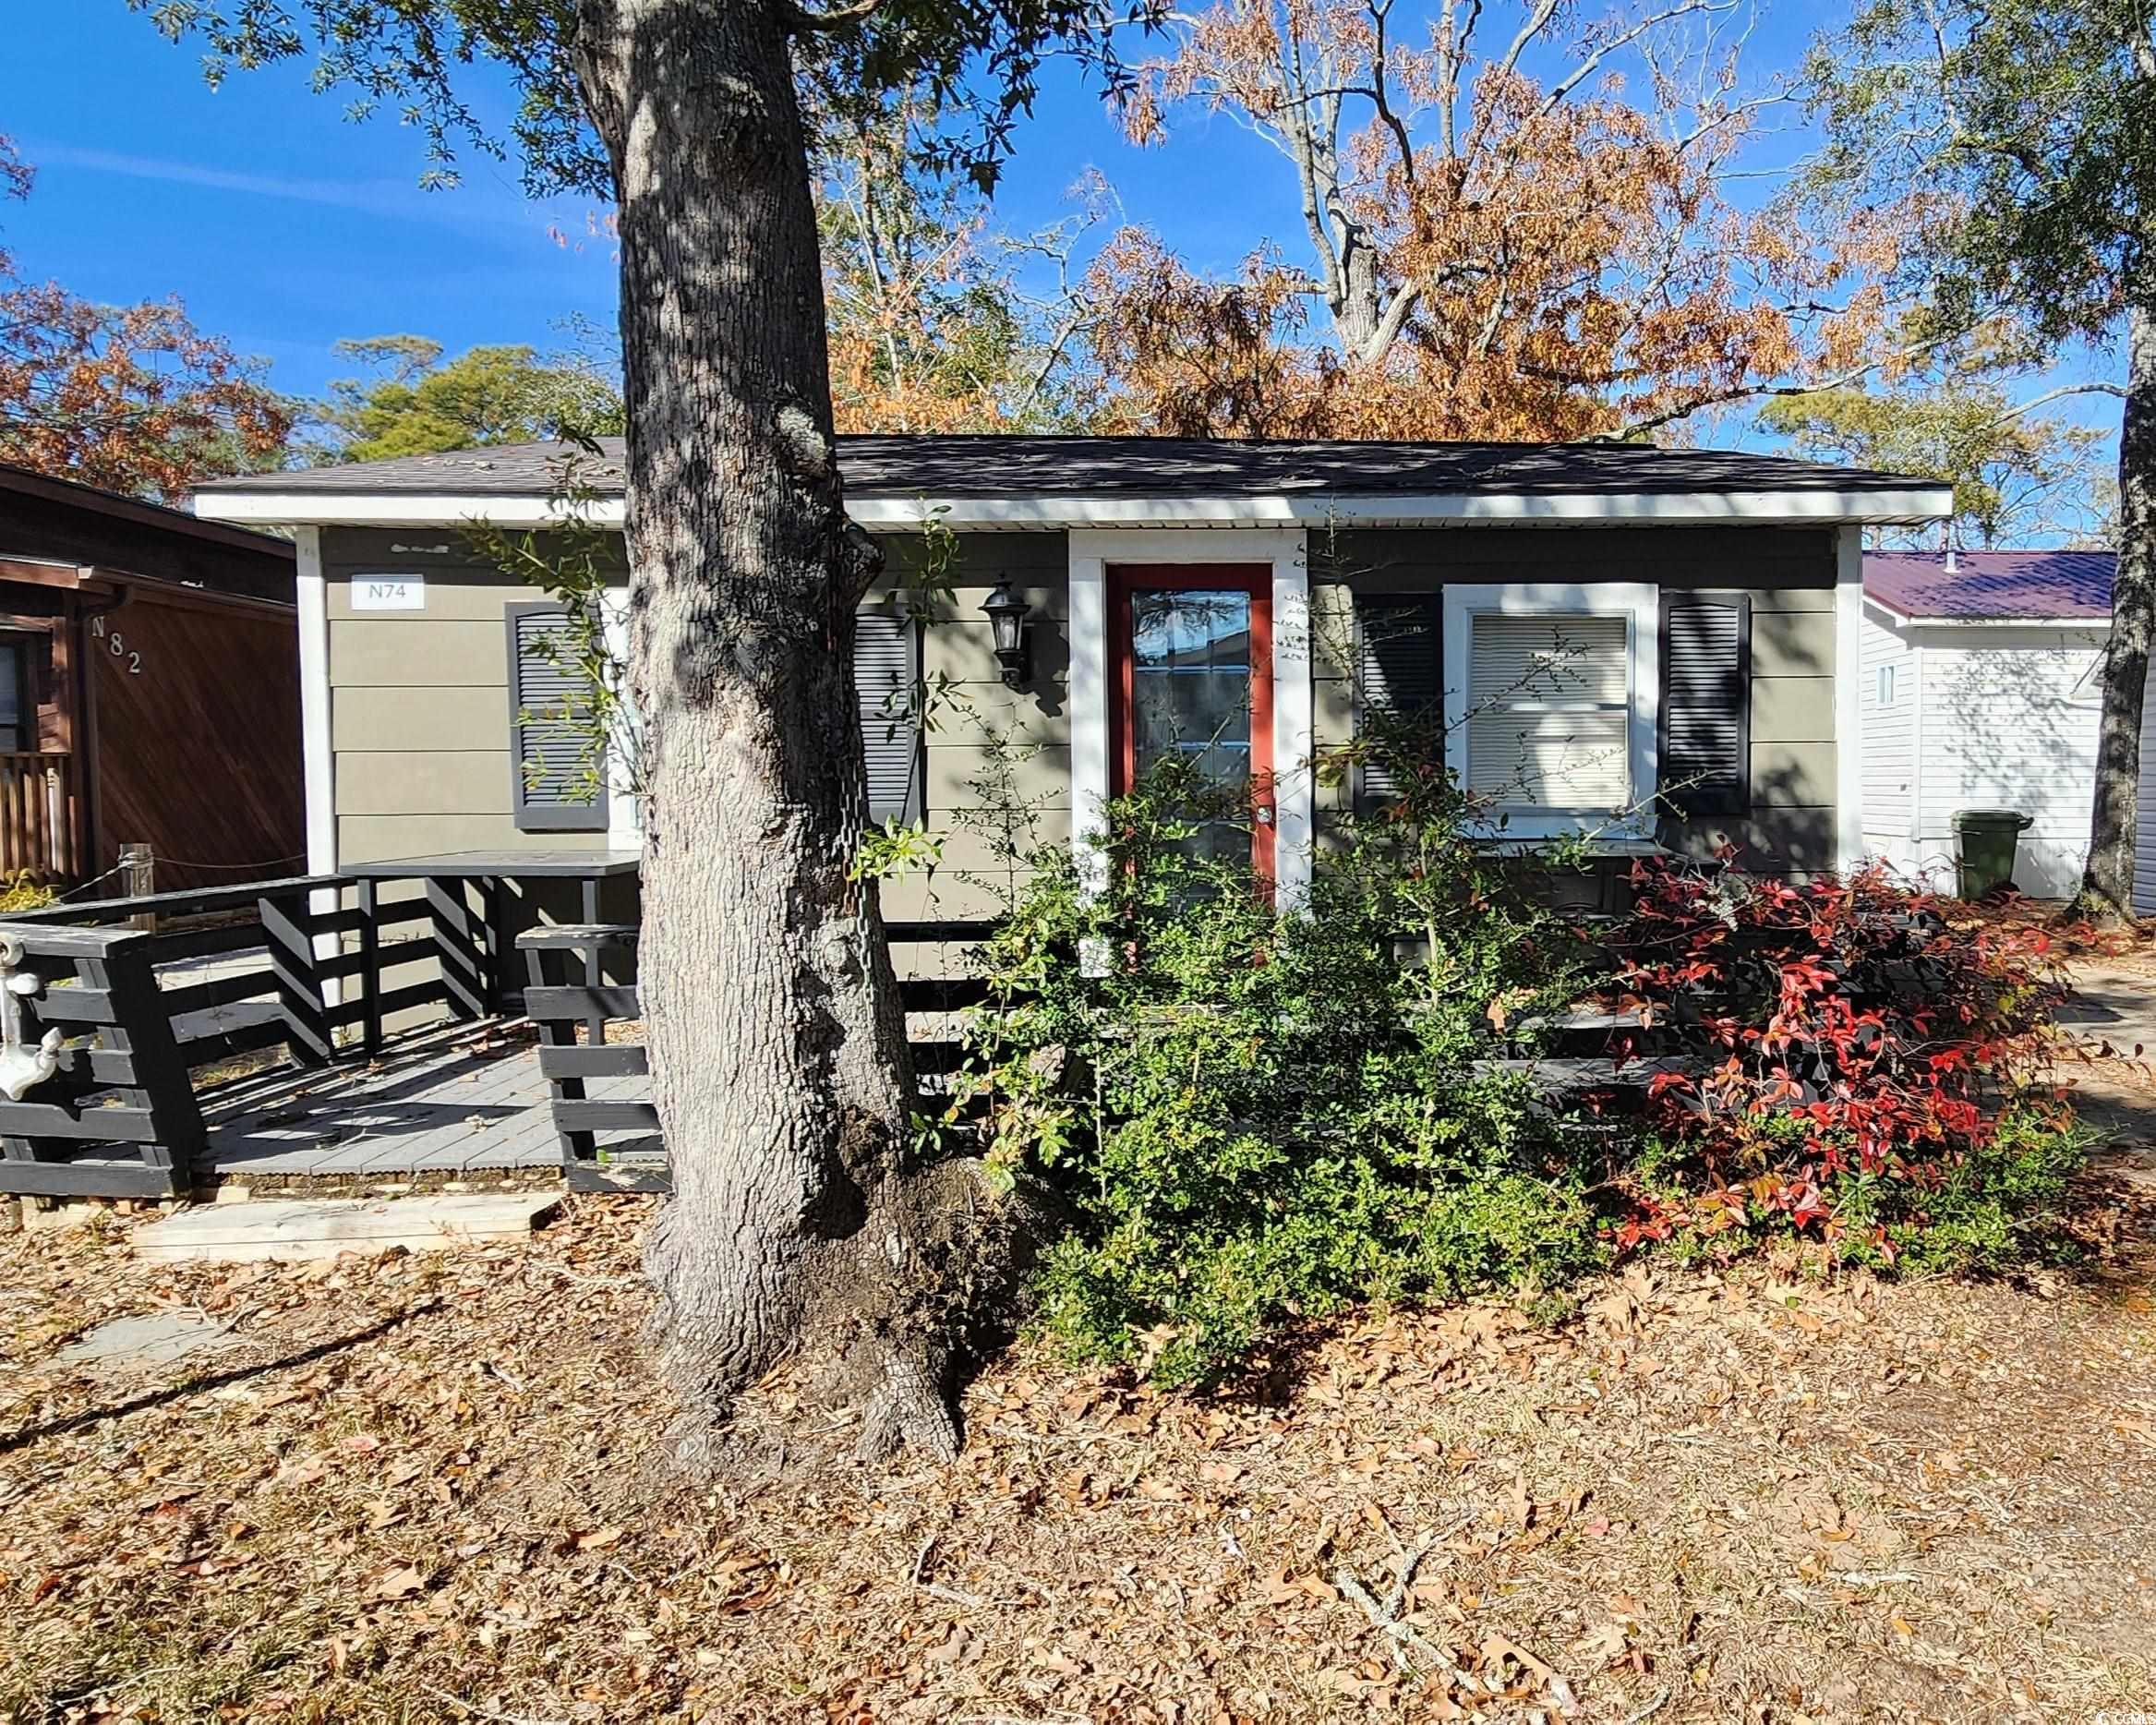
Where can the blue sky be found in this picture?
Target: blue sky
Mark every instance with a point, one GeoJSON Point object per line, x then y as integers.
{"type": "Point", "coordinates": [283, 226]}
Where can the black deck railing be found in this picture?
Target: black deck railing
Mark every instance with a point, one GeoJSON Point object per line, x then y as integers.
{"type": "Point", "coordinates": [612, 1144]}
{"type": "Point", "coordinates": [319, 966]}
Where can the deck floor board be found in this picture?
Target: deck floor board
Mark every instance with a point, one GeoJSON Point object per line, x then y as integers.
{"type": "Point", "coordinates": [433, 1100]}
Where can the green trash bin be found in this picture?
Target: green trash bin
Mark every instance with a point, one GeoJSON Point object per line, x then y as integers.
{"type": "Point", "coordinates": [1984, 844]}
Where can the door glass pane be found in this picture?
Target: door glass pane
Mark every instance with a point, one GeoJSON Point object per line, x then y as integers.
{"type": "Point", "coordinates": [1190, 690]}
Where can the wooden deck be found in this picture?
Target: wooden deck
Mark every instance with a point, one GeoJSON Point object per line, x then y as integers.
{"type": "Point", "coordinates": [463, 1098]}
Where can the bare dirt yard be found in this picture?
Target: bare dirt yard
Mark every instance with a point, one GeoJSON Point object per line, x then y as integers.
{"type": "Point", "coordinates": [427, 1487]}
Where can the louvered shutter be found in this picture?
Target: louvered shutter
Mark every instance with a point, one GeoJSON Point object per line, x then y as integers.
{"type": "Point", "coordinates": [1399, 669]}
{"type": "Point", "coordinates": [887, 649]}
{"type": "Point", "coordinates": [1707, 703]}
{"type": "Point", "coordinates": [550, 763]}
{"type": "Point", "coordinates": [1548, 711]}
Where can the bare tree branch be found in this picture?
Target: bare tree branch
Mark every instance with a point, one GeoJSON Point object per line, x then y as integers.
{"type": "Point", "coordinates": [800, 19]}
{"type": "Point", "coordinates": [2060, 393]}
{"type": "Point", "coordinates": [1755, 391]}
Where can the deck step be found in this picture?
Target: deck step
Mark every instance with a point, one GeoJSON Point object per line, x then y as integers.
{"type": "Point", "coordinates": [300, 1229]}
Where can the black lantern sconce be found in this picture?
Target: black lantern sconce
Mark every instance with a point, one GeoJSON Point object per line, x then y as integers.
{"type": "Point", "coordinates": [1006, 616]}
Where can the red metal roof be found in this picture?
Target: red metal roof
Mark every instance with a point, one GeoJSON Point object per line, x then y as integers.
{"type": "Point", "coordinates": [1992, 584]}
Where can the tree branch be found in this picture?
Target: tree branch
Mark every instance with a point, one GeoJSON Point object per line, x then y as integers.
{"type": "Point", "coordinates": [800, 19]}
{"type": "Point", "coordinates": [1565, 86]}
{"type": "Point", "coordinates": [2059, 395]}
{"type": "Point", "coordinates": [1764, 392]}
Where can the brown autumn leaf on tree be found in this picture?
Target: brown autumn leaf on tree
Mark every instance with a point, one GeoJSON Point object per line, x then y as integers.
{"type": "Point", "coordinates": [131, 398]}
{"type": "Point", "coordinates": [1490, 254]}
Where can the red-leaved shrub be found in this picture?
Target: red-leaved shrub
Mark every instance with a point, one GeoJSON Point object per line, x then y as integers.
{"type": "Point", "coordinates": [1839, 1058]}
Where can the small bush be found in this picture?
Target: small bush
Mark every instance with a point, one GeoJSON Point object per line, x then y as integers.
{"type": "Point", "coordinates": [20, 892]}
{"type": "Point", "coordinates": [1255, 1116]}
{"type": "Point", "coordinates": [1862, 1071]}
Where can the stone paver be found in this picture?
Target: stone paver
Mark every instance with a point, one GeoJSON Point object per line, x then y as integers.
{"type": "Point", "coordinates": [145, 1343]}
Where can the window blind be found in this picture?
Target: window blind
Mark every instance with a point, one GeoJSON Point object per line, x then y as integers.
{"type": "Point", "coordinates": [1550, 708]}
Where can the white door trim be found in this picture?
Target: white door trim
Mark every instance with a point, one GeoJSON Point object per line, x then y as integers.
{"type": "Point", "coordinates": [1091, 550]}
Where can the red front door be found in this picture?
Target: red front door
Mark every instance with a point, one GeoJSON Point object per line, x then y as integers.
{"type": "Point", "coordinates": [1192, 651]}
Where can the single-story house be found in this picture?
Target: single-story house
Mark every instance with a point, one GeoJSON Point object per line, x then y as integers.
{"type": "Point", "coordinates": [148, 691]}
{"type": "Point", "coordinates": [1244, 599]}
{"type": "Point", "coordinates": [1982, 684]}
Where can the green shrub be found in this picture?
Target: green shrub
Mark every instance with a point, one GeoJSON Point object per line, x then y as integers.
{"type": "Point", "coordinates": [1253, 1116]}
{"type": "Point", "coordinates": [20, 892]}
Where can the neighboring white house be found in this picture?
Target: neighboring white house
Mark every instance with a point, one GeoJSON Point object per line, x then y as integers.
{"type": "Point", "coordinates": [1981, 679]}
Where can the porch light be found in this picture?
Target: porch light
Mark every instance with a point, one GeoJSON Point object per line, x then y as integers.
{"type": "Point", "coordinates": [1006, 616]}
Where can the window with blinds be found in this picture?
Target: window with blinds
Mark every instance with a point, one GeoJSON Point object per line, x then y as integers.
{"type": "Point", "coordinates": [1549, 710]}
{"type": "Point", "coordinates": [557, 786]}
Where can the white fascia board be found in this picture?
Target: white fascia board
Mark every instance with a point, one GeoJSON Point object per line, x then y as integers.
{"type": "Point", "coordinates": [2095, 626]}
{"type": "Point", "coordinates": [1050, 513]}
{"type": "Point", "coordinates": [332, 509]}
{"type": "Point", "coordinates": [1319, 508]}
{"type": "Point", "coordinates": [1902, 621]}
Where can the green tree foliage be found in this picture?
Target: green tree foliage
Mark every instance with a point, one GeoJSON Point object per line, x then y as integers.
{"type": "Point", "coordinates": [414, 403]}
{"type": "Point", "coordinates": [2017, 475]}
{"type": "Point", "coordinates": [2020, 136]}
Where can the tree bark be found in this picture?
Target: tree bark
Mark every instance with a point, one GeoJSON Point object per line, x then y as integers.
{"type": "Point", "coordinates": [776, 1038]}
{"type": "Point", "coordinates": [2107, 882]}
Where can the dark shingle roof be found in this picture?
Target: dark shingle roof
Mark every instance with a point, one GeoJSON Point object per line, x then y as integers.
{"type": "Point", "coordinates": [1992, 584]}
{"type": "Point", "coordinates": [1094, 466]}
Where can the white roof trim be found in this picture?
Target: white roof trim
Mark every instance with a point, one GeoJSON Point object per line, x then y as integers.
{"type": "Point", "coordinates": [1048, 514]}
{"type": "Point", "coordinates": [1900, 619]}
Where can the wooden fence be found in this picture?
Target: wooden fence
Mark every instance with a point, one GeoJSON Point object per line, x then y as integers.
{"type": "Point", "coordinates": [37, 826]}
{"type": "Point", "coordinates": [299, 970]}
{"type": "Point", "coordinates": [612, 1144]}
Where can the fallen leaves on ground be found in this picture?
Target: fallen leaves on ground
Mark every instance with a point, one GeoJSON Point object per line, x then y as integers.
{"type": "Point", "coordinates": [433, 1488]}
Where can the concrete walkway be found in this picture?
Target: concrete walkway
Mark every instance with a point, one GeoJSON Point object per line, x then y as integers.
{"type": "Point", "coordinates": [2114, 1004]}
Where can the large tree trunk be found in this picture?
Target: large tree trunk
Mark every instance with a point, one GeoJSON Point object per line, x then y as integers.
{"type": "Point", "coordinates": [2107, 884]}
{"type": "Point", "coordinates": [777, 1039]}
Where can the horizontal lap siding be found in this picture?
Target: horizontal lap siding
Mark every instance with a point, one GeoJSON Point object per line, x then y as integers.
{"type": "Point", "coordinates": [420, 706]}
{"type": "Point", "coordinates": [976, 707]}
{"type": "Point", "coordinates": [1889, 740]}
{"type": "Point", "coordinates": [1789, 574]}
{"type": "Point", "coordinates": [419, 703]}
{"type": "Point", "coordinates": [419, 714]}
{"type": "Point", "coordinates": [2009, 722]}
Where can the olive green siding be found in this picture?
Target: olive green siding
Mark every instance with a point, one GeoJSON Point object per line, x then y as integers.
{"type": "Point", "coordinates": [420, 712]}
{"type": "Point", "coordinates": [980, 733]}
{"type": "Point", "coordinates": [419, 719]}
